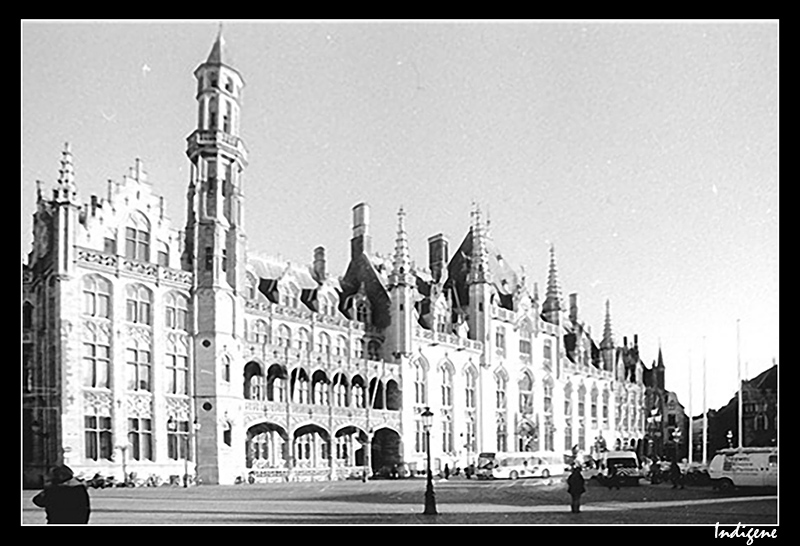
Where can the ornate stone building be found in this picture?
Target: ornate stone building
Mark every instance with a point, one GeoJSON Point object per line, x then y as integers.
{"type": "Point", "coordinates": [158, 351]}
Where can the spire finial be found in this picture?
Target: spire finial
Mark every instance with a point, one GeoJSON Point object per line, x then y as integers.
{"type": "Point", "coordinates": [402, 257]}
{"type": "Point", "coordinates": [552, 304]}
{"type": "Point", "coordinates": [608, 337]}
{"type": "Point", "coordinates": [479, 270]}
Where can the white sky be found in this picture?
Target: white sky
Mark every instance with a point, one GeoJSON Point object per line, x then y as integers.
{"type": "Point", "coordinates": [646, 152]}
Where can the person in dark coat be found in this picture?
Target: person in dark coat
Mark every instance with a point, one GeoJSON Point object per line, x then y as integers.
{"type": "Point", "coordinates": [65, 499]}
{"type": "Point", "coordinates": [675, 475]}
{"type": "Point", "coordinates": [613, 477]}
{"type": "Point", "coordinates": [576, 486]}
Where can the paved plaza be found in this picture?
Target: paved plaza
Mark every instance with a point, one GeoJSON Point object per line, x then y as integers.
{"type": "Point", "coordinates": [401, 502]}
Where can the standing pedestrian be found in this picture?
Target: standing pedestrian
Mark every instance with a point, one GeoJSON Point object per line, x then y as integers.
{"type": "Point", "coordinates": [675, 475]}
{"type": "Point", "coordinates": [65, 498]}
{"type": "Point", "coordinates": [576, 487]}
{"type": "Point", "coordinates": [613, 477]}
{"type": "Point", "coordinates": [446, 471]}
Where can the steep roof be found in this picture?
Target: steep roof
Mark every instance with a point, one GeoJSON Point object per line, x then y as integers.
{"type": "Point", "coordinates": [503, 277]}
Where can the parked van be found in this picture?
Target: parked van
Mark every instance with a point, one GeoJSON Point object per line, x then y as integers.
{"type": "Point", "coordinates": [626, 464]}
{"type": "Point", "coordinates": [745, 467]}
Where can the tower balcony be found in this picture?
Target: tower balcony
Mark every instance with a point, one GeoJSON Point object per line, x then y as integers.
{"type": "Point", "coordinates": [216, 139]}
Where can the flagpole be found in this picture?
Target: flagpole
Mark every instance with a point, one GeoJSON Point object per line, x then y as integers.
{"type": "Point", "coordinates": [691, 418]}
{"type": "Point", "coordinates": [705, 409]}
{"type": "Point", "coordinates": [739, 380]}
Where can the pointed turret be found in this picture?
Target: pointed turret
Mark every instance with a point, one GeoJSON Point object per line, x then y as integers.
{"type": "Point", "coordinates": [479, 267]}
{"type": "Point", "coordinates": [552, 306]}
{"type": "Point", "coordinates": [215, 57]}
{"type": "Point", "coordinates": [401, 268]}
{"type": "Point", "coordinates": [608, 336]}
{"type": "Point", "coordinates": [65, 189]}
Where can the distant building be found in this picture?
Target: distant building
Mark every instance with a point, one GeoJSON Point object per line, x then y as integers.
{"type": "Point", "coordinates": [666, 426]}
{"type": "Point", "coordinates": [158, 351]}
{"type": "Point", "coordinates": [760, 423]}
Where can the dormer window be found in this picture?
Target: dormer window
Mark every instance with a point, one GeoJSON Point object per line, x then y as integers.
{"type": "Point", "coordinates": [229, 85]}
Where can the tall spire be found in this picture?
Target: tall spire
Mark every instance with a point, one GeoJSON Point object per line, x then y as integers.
{"type": "Point", "coordinates": [66, 175]}
{"type": "Point", "coordinates": [402, 258]}
{"type": "Point", "coordinates": [608, 337]}
{"type": "Point", "coordinates": [552, 305]}
{"type": "Point", "coordinates": [660, 359]}
{"type": "Point", "coordinates": [215, 57]}
{"type": "Point", "coordinates": [479, 268]}
{"type": "Point", "coordinates": [65, 188]}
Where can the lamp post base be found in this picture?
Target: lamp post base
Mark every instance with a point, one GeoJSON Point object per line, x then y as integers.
{"type": "Point", "coordinates": [430, 499]}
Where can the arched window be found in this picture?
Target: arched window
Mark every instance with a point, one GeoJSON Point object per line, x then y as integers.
{"type": "Point", "coordinates": [226, 368]}
{"type": "Point", "coordinates": [320, 388]}
{"type": "Point", "coordinates": [163, 254]}
{"type": "Point", "coordinates": [284, 336]}
{"type": "Point", "coordinates": [177, 363]}
{"type": "Point", "coordinates": [471, 385]}
{"type": "Point", "coordinates": [341, 347]}
{"type": "Point", "coordinates": [581, 402]}
{"type": "Point", "coordinates": [276, 384]}
{"type": "Point", "coordinates": [605, 408]}
{"type": "Point", "coordinates": [177, 311]}
{"type": "Point", "coordinates": [138, 365]}
{"type": "Point", "coordinates": [303, 340]}
{"type": "Point", "coordinates": [357, 397]}
{"type": "Point", "coordinates": [340, 390]}
{"type": "Point", "coordinates": [260, 332]}
{"type": "Point", "coordinates": [548, 396]}
{"type": "Point", "coordinates": [420, 395]}
{"type": "Point", "coordinates": [96, 358]}
{"type": "Point", "coordinates": [500, 381]}
{"type": "Point", "coordinates": [139, 303]}
{"type": "Point", "coordinates": [96, 297]}
{"type": "Point", "coordinates": [137, 238]}
{"type": "Point", "coordinates": [447, 433]}
{"type": "Point", "coordinates": [446, 379]}
{"type": "Point", "coordinates": [373, 350]}
{"type": "Point", "coordinates": [255, 386]}
{"type": "Point", "coordinates": [324, 343]}
{"type": "Point", "coordinates": [594, 406]}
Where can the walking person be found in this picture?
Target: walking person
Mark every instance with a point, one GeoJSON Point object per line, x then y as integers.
{"type": "Point", "coordinates": [65, 498]}
{"type": "Point", "coordinates": [576, 486]}
{"type": "Point", "coordinates": [675, 475]}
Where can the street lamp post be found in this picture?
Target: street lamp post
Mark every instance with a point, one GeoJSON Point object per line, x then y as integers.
{"type": "Point", "coordinates": [430, 496]}
{"type": "Point", "coordinates": [122, 450]}
{"type": "Point", "coordinates": [729, 436]}
{"type": "Point", "coordinates": [172, 425]}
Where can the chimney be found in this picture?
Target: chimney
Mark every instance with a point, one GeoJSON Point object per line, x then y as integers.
{"type": "Point", "coordinates": [635, 340]}
{"type": "Point", "coordinates": [319, 264]}
{"type": "Point", "coordinates": [438, 255]}
{"type": "Point", "coordinates": [362, 240]}
{"type": "Point", "coordinates": [573, 308]}
{"type": "Point", "coordinates": [625, 341]}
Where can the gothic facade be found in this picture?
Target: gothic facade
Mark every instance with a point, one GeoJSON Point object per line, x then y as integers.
{"type": "Point", "coordinates": [166, 351]}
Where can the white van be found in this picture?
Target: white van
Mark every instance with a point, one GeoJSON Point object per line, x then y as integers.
{"type": "Point", "coordinates": [745, 467]}
{"type": "Point", "coordinates": [626, 464]}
